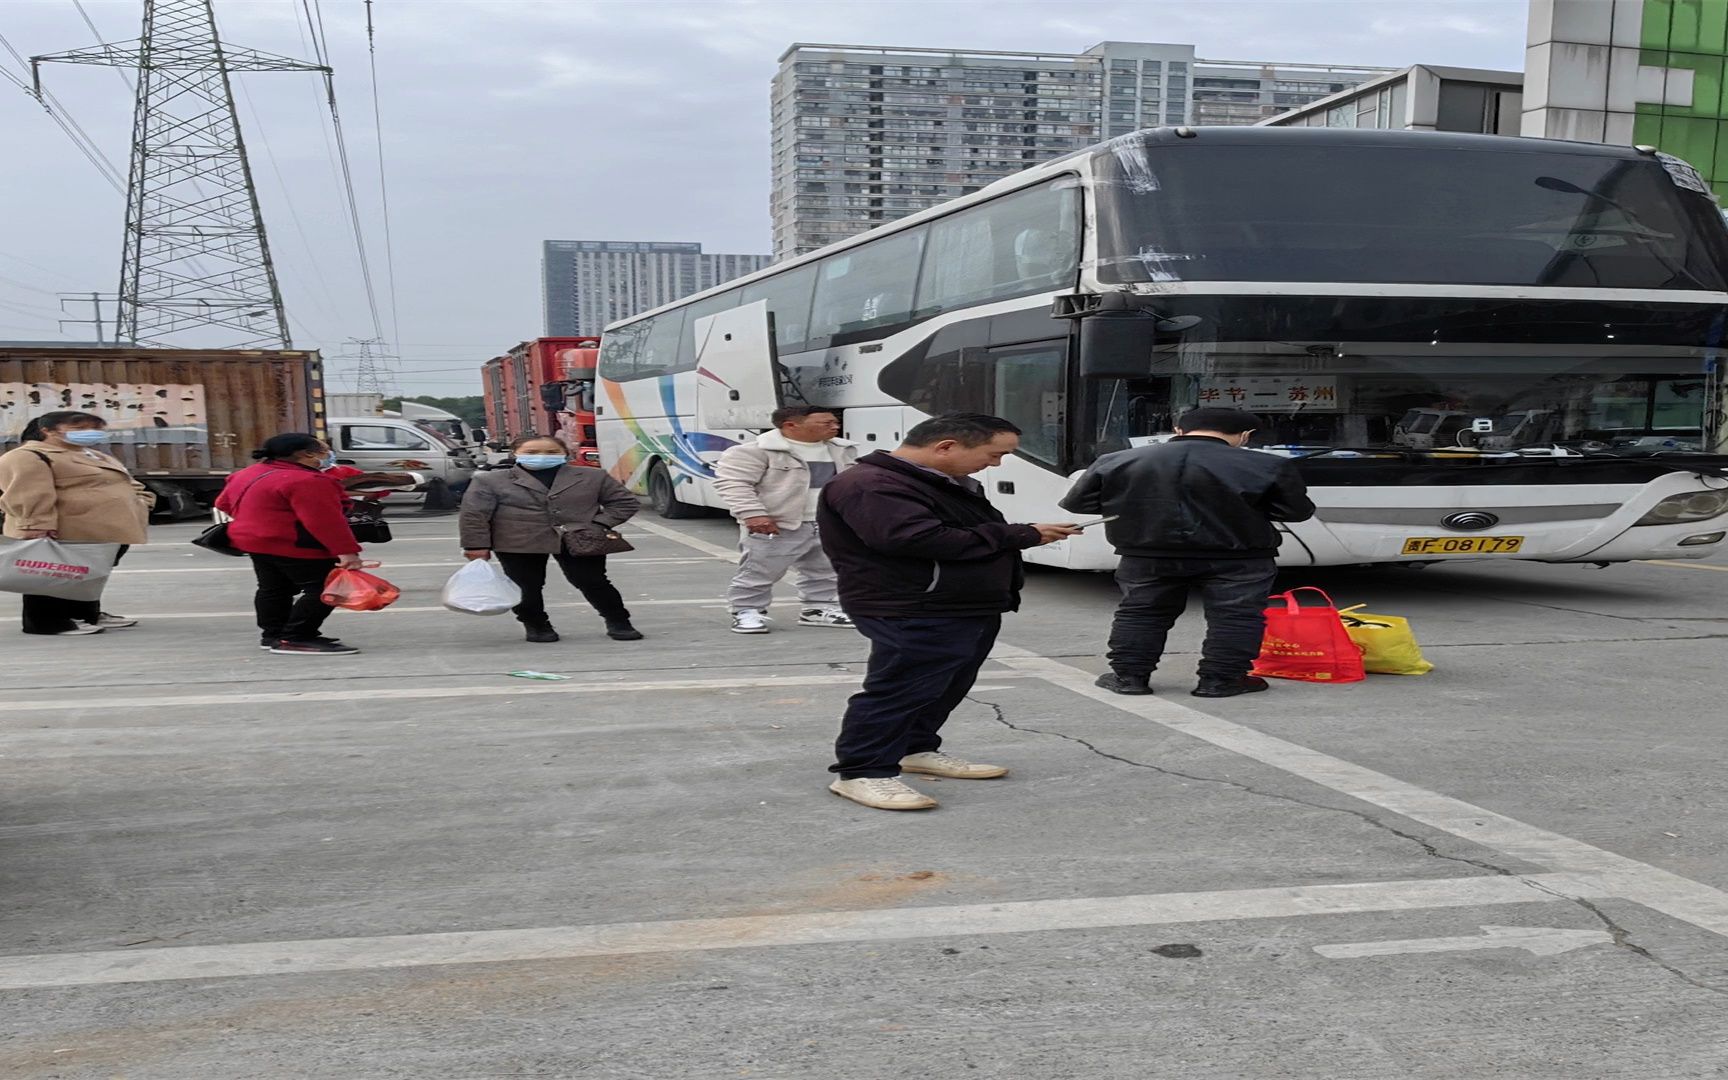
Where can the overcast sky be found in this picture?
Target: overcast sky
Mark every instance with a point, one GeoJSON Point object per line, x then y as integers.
{"type": "Point", "coordinates": [509, 122]}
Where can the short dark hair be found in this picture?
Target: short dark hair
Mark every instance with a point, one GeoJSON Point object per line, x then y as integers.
{"type": "Point", "coordinates": [969, 429]}
{"type": "Point", "coordinates": [34, 430]}
{"type": "Point", "coordinates": [1226, 421]}
{"type": "Point", "coordinates": [526, 439]}
{"type": "Point", "coordinates": [785, 414]}
{"type": "Point", "coordinates": [286, 445]}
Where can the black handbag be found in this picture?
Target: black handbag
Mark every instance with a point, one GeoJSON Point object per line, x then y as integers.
{"type": "Point", "coordinates": [587, 544]}
{"type": "Point", "coordinates": [366, 519]}
{"type": "Point", "coordinates": [215, 538]}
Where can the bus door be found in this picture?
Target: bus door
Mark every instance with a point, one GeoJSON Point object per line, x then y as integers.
{"type": "Point", "coordinates": [738, 381]}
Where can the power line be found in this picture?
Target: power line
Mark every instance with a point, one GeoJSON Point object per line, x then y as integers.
{"type": "Point", "coordinates": [63, 118]}
{"type": "Point", "coordinates": [383, 186]}
{"type": "Point", "coordinates": [320, 49]}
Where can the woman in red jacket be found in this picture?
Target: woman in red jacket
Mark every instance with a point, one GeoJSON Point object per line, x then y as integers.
{"type": "Point", "coordinates": [287, 514]}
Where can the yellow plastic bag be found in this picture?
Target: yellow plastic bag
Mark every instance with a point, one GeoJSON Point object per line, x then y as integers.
{"type": "Point", "coordinates": [1387, 643]}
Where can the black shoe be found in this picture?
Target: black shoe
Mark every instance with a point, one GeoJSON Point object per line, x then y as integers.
{"type": "Point", "coordinates": [542, 635]}
{"type": "Point", "coordinates": [1124, 684]}
{"type": "Point", "coordinates": [314, 648]}
{"type": "Point", "coordinates": [621, 630]}
{"type": "Point", "coordinates": [267, 643]}
{"type": "Point", "coordinates": [1247, 684]}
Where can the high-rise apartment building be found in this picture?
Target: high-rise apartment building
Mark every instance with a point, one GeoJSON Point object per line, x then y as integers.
{"type": "Point", "coordinates": [586, 284]}
{"type": "Point", "coordinates": [867, 134]}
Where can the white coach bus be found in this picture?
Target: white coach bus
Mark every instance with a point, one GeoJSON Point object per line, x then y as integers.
{"type": "Point", "coordinates": [1474, 347]}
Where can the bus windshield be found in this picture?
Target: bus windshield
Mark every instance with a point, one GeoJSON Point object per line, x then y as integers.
{"type": "Point", "coordinates": [1376, 213]}
{"type": "Point", "coordinates": [1421, 397]}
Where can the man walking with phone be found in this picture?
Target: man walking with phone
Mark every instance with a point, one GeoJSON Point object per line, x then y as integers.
{"type": "Point", "coordinates": [1193, 514]}
{"type": "Point", "coordinates": [927, 567]}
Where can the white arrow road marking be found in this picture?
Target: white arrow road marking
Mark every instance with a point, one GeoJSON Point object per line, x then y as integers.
{"type": "Point", "coordinates": [1538, 940]}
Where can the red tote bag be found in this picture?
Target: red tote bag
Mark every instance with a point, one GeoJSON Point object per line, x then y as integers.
{"type": "Point", "coordinates": [1309, 644]}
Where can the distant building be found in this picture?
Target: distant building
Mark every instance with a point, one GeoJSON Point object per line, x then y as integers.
{"type": "Point", "coordinates": [866, 134]}
{"type": "Point", "coordinates": [1424, 97]}
{"type": "Point", "coordinates": [586, 284]}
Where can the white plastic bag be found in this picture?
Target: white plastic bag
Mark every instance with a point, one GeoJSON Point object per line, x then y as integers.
{"type": "Point", "coordinates": [55, 568]}
{"type": "Point", "coordinates": [480, 588]}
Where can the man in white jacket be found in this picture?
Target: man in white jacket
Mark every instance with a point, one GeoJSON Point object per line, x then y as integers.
{"type": "Point", "coordinates": [771, 485]}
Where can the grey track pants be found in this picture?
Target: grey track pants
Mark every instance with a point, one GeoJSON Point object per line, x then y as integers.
{"type": "Point", "coordinates": [768, 558]}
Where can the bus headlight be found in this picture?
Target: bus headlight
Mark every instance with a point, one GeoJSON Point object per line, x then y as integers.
{"type": "Point", "coordinates": [1692, 506]}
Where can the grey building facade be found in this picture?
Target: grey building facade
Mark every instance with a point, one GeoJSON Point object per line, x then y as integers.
{"type": "Point", "coordinates": [1423, 97]}
{"type": "Point", "coordinates": [866, 134]}
{"type": "Point", "coordinates": [586, 284]}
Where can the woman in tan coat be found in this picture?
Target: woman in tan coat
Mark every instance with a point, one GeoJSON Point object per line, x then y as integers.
{"type": "Point", "coordinates": [59, 485]}
{"type": "Point", "coordinates": [521, 514]}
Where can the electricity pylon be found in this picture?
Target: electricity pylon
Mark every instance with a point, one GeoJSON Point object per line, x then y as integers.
{"type": "Point", "coordinates": [196, 257]}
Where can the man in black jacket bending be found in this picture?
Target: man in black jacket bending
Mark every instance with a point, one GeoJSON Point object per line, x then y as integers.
{"type": "Point", "coordinates": [927, 567]}
{"type": "Point", "coordinates": [1193, 513]}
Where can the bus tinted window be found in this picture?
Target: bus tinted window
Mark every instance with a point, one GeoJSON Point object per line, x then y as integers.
{"type": "Point", "coordinates": [866, 287]}
{"type": "Point", "coordinates": [701, 310]}
{"type": "Point", "coordinates": [1020, 244]}
{"type": "Point", "coordinates": [1402, 214]}
{"type": "Point", "coordinates": [619, 350]}
{"type": "Point", "coordinates": [788, 297]}
{"type": "Point", "coordinates": [659, 353]}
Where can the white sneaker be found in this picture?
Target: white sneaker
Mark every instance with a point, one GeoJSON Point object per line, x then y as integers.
{"type": "Point", "coordinates": [936, 763]}
{"type": "Point", "coordinates": [882, 793]}
{"type": "Point", "coordinates": [79, 630]}
{"type": "Point", "coordinates": [825, 616]}
{"type": "Point", "coordinates": [749, 621]}
{"type": "Point", "coordinates": [114, 622]}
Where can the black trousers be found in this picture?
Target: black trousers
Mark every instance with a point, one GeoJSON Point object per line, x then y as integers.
{"type": "Point", "coordinates": [1155, 593]}
{"type": "Point", "coordinates": [920, 670]}
{"type": "Point", "coordinates": [288, 599]}
{"type": "Point", "coordinates": [52, 615]}
{"type": "Point", "coordinates": [587, 572]}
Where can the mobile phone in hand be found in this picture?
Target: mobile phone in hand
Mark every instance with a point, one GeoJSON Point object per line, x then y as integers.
{"type": "Point", "coordinates": [1084, 525]}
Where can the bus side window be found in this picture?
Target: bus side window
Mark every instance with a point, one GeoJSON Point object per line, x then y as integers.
{"type": "Point", "coordinates": [659, 355]}
{"type": "Point", "coordinates": [726, 301]}
{"type": "Point", "coordinates": [866, 287]}
{"type": "Point", "coordinates": [1017, 245]}
{"type": "Point", "coordinates": [788, 297]}
{"type": "Point", "coordinates": [619, 350]}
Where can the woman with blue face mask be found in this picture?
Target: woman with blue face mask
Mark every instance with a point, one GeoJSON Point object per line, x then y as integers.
{"type": "Point", "coordinates": [523, 515]}
{"type": "Point", "coordinates": [60, 483]}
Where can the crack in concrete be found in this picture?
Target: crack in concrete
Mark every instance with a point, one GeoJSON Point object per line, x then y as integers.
{"type": "Point", "coordinates": [1427, 847]}
{"type": "Point", "coordinates": [1622, 937]}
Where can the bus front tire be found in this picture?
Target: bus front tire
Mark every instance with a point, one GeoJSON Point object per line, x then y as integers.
{"type": "Point", "coordinates": [663, 497]}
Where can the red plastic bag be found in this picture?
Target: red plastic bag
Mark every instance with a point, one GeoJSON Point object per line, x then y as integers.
{"type": "Point", "coordinates": [357, 590]}
{"type": "Point", "coordinates": [1307, 643]}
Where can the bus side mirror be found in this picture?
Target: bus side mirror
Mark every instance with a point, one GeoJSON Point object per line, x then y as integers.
{"type": "Point", "coordinates": [1118, 344]}
{"type": "Point", "coordinates": [552, 396]}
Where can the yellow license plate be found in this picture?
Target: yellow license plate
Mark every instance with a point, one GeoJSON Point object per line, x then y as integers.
{"type": "Point", "coordinates": [1462, 545]}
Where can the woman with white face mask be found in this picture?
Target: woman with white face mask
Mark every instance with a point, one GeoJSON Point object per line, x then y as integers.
{"type": "Point", "coordinates": [60, 484]}
{"type": "Point", "coordinates": [524, 514]}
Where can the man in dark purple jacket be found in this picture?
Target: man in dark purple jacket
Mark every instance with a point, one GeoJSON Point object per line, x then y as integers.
{"type": "Point", "coordinates": [927, 567]}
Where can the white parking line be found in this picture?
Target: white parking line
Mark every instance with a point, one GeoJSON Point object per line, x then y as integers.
{"type": "Point", "coordinates": [1679, 897]}
{"type": "Point", "coordinates": [718, 552]}
{"type": "Point", "coordinates": [399, 609]}
{"type": "Point", "coordinates": [765, 931]}
{"type": "Point", "coordinates": [1671, 894]}
{"type": "Point", "coordinates": [238, 567]}
{"type": "Point", "coordinates": [511, 688]}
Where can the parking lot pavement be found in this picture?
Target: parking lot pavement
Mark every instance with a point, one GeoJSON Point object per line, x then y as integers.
{"type": "Point", "coordinates": [219, 862]}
